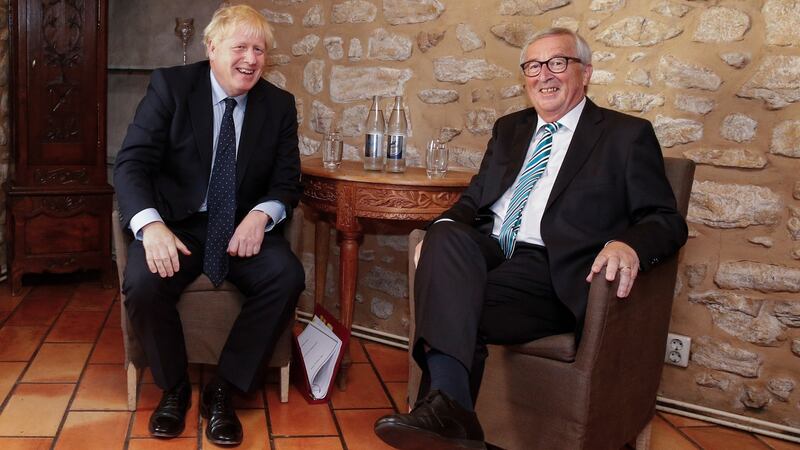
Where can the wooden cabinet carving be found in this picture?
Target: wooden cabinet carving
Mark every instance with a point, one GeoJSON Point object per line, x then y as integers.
{"type": "Point", "coordinates": [58, 198]}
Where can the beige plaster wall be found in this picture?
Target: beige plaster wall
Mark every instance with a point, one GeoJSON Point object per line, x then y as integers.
{"type": "Point", "coordinates": [662, 60]}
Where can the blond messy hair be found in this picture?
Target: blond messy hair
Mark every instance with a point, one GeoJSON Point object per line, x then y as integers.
{"type": "Point", "coordinates": [242, 17]}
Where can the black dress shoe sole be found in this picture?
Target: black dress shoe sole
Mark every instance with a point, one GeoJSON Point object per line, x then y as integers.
{"type": "Point", "coordinates": [161, 435]}
{"type": "Point", "coordinates": [410, 438]}
{"type": "Point", "coordinates": [220, 442]}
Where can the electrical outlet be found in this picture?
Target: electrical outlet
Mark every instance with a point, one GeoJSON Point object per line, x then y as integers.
{"type": "Point", "coordinates": [678, 347]}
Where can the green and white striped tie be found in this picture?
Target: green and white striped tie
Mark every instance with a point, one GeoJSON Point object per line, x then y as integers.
{"type": "Point", "coordinates": [534, 169]}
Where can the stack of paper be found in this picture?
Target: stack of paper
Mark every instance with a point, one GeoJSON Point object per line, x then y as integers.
{"type": "Point", "coordinates": [320, 348]}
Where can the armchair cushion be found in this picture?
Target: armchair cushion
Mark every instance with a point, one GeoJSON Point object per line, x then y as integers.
{"type": "Point", "coordinates": [560, 347]}
{"type": "Point", "coordinates": [203, 283]}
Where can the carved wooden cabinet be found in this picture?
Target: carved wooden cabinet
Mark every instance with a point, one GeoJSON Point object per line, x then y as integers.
{"type": "Point", "coordinates": [58, 198]}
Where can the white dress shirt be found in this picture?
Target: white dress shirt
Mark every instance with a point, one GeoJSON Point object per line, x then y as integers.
{"type": "Point", "coordinates": [530, 228]}
{"type": "Point", "coordinates": [273, 208]}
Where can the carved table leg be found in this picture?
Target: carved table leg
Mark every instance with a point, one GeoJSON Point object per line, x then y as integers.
{"type": "Point", "coordinates": [348, 274]}
{"type": "Point", "coordinates": [322, 238]}
{"type": "Point", "coordinates": [349, 236]}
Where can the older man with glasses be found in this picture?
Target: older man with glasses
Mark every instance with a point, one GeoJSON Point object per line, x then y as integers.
{"type": "Point", "coordinates": [565, 188]}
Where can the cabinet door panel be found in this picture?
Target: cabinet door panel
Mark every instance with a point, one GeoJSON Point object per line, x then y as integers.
{"type": "Point", "coordinates": [62, 83]}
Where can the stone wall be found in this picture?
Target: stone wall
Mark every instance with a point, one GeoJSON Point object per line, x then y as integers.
{"type": "Point", "coordinates": [719, 79]}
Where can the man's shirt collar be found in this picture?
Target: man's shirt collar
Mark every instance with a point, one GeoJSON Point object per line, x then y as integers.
{"type": "Point", "coordinates": [569, 120]}
{"type": "Point", "coordinates": [218, 94]}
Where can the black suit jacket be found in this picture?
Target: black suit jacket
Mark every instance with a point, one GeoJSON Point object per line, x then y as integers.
{"type": "Point", "coordinates": [611, 185]}
{"type": "Point", "coordinates": [165, 159]}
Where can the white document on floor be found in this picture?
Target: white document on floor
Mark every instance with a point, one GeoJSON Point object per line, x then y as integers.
{"type": "Point", "coordinates": [320, 348]}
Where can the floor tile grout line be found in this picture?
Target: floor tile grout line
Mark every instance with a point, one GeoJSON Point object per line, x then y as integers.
{"type": "Point", "coordinates": [267, 417]}
{"type": "Point", "coordinates": [129, 431]}
{"type": "Point", "coordinates": [330, 401]}
{"type": "Point", "coordinates": [304, 436]}
{"type": "Point", "coordinates": [758, 438]}
{"type": "Point", "coordinates": [383, 383]}
{"type": "Point", "coordinates": [80, 377]}
{"type": "Point", "coordinates": [109, 314]}
{"type": "Point", "coordinates": [14, 309]}
{"type": "Point", "coordinates": [98, 333]}
{"type": "Point", "coordinates": [761, 441]}
{"type": "Point", "coordinates": [30, 360]}
{"type": "Point", "coordinates": [719, 427]}
{"type": "Point", "coordinates": [339, 431]}
{"type": "Point", "coordinates": [681, 433]}
{"type": "Point", "coordinates": [201, 383]}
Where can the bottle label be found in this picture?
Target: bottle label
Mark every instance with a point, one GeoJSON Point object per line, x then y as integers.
{"type": "Point", "coordinates": [395, 146]}
{"type": "Point", "coordinates": [372, 146]}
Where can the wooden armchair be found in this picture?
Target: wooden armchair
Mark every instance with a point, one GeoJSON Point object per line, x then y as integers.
{"type": "Point", "coordinates": [552, 394]}
{"type": "Point", "coordinates": [207, 315]}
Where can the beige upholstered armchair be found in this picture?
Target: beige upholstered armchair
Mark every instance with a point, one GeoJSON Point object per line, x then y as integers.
{"type": "Point", "coordinates": [552, 394]}
{"type": "Point", "coordinates": [207, 315]}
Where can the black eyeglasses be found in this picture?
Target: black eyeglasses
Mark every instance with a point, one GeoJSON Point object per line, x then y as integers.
{"type": "Point", "coordinates": [556, 64]}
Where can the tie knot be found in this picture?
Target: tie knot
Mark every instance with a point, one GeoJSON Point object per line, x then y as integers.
{"type": "Point", "coordinates": [551, 127]}
{"type": "Point", "coordinates": [230, 103]}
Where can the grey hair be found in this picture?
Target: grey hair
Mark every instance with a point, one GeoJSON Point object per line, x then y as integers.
{"type": "Point", "coordinates": [581, 46]}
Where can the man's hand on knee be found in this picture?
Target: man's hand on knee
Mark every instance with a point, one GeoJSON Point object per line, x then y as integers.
{"type": "Point", "coordinates": [161, 248]}
{"type": "Point", "coordinates": [248, 236]}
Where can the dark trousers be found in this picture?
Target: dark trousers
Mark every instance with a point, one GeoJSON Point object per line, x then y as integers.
{"type": "Point", "coordinates": [270, 281]}
{"type": "Point", "coordinates": [468, 295]}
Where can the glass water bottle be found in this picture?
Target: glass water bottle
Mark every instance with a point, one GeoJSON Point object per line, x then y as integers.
{"type": "Point", "coordinates": [373, 141]}
{"type": "Point", "coordinates": [396, 142]}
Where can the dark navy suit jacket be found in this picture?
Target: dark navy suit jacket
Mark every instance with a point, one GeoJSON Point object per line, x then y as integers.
{"type": "Point", "coordinates": [611, 186]}
{"type": "Point", "coordinates": [165, 159]}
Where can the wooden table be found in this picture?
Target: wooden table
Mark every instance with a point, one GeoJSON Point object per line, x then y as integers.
{"type": "Point", "coordinates": [349, 194]}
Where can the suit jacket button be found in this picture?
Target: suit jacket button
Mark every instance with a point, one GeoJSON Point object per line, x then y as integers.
{"type": "Point", "coordinates": [654, 261]}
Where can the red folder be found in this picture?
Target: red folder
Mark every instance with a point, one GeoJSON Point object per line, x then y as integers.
{"type": "Point", "coordinates": [299, 375]}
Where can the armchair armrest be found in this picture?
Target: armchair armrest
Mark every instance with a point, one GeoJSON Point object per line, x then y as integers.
{"type": "Point", "coordinates": [629, 333]}
{"type": "Point", "coordinates": [121, 242]}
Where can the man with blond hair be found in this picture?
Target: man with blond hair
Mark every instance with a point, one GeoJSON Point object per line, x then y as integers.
{"type": "Point", "coordinates": [567, 191]}
{"type": "Point", "coordinates": [208, 172]}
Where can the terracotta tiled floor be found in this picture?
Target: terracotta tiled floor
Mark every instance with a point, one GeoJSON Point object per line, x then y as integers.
{"type": "Point", "coordinates": [62, 386]}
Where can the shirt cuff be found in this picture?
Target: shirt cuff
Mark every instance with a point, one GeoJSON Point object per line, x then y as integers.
{"type": "Point", "coordinates": [143, 218]}
{"type": "Point", "coordinates": [275, 210]}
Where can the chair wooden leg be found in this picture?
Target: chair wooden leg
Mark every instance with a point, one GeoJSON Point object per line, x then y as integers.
{"type": "Point", "coordinates": [285, 383]}
{"type": "Point", "coordinates": [132, 383]}
{"type": "Point", "coordinates": [643, 439]}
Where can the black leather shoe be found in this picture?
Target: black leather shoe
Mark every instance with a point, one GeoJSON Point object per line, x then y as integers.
{"type": "Point", "coordinates": [169, 418]}
{"type": "Point", "coordinates": [216, 406]}
{"type": "Point", "coordinates": [436, 422]}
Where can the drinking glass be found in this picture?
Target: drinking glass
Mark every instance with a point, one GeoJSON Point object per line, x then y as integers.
{"type": "Point", "coordinates": [436, 159]}
{"type": "Point", "coordinates": [332, 150]}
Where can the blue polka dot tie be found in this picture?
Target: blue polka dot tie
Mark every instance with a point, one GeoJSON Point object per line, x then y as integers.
{"type": "Point", "coordinates": [221, 199]}
{"type": "Point", "coordinates": [534, 169]}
